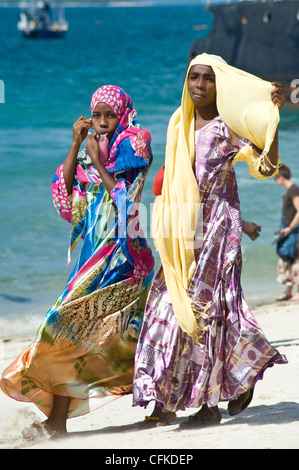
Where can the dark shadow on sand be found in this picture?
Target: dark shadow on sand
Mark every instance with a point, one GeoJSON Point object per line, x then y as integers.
{"type": "Point", "coordinates": [279, 413]}
{"type": "Point", "coordinates": [285, 343]}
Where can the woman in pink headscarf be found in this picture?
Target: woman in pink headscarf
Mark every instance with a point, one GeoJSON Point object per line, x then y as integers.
{"type": "Point", "coordinates": [84, 350]}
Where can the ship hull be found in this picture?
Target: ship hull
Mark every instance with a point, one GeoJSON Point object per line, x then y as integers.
{"type": "Point", "coordinates": [260, 38]}
{"type": "Point", "coordinates": [44, 34]}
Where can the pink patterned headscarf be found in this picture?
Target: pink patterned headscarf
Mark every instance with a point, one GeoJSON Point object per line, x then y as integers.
{"type": "Point", "coordinates": [117, 99]}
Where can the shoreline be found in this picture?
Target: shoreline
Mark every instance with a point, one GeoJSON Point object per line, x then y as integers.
{"type": "Point", "coordinates": [271, 421]}
{"type": "Point", "coordinates": [22, 320]}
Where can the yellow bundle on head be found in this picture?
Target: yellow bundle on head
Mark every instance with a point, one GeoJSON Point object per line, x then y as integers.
{"type": "Point", "coordinates": [244, 104]}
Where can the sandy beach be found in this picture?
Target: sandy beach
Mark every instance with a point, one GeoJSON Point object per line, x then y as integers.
{"type": "Point", "coordinates": [270, 422]}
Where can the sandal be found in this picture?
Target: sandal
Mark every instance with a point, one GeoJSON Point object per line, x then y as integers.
{"type": "Point", "coordinates": [155, 421]}
{"type": "Point", "coordinates": [283, 297]}
{"type": "Point", "coordinates": [242, 407]}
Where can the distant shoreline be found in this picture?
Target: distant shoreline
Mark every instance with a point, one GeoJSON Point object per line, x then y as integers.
{"type": "Point", "coordinates": [107, 3]}
{"type": "Point", "coordinates": [74, 4]}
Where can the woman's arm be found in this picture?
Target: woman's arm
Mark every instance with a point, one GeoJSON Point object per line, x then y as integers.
{"type": "Point", "coordinates": [270, 159]}
{"type": "Point", "coordinates": [80, 130]}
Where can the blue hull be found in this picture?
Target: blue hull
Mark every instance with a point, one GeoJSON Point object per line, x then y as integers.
{"type": "Point", "coordinates": [44, 34]}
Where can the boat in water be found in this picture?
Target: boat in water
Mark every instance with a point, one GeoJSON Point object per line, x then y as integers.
{"type": "Point", "coordinates": [39, 20]}
{"type": "Point", "coordinates": [260, 37]}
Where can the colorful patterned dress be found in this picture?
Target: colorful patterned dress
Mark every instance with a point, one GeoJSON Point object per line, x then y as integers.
{"type": "Point", "coordinates": [170, 367]}
{"type": "Point", "coordinates": [86, 345]}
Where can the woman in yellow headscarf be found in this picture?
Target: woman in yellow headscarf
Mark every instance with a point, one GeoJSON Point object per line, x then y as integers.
{"type": "Point", "coordinates": [200, 343]}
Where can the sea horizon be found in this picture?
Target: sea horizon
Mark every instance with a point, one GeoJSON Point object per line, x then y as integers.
{"type": "Point", "coordinates": [103, 3]}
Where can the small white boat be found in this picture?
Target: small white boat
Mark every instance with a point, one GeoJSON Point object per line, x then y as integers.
{"type": "Point", "coordinates": [39, 20]}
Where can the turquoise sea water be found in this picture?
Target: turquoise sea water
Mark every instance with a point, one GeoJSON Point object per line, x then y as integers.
{"type": "Point", "coordinates": [48, 85]}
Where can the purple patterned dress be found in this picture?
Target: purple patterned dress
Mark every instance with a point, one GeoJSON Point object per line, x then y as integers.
{"type": "Point", "coordinates": [172, 369]}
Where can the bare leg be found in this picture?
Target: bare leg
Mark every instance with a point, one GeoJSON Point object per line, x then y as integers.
{"type": "Point", "coordinates": [287, 294]}
{"type": "Point", "coordinates": [296, 296]}
{"type": "Point", "coordinates": [56, 423]}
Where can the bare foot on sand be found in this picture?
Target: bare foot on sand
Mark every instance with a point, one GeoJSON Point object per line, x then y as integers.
{"type": "Point", "coordinates": [45, 429]}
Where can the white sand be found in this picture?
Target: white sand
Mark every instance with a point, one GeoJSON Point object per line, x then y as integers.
{"type": "Point", "coordinates": [270, 422]}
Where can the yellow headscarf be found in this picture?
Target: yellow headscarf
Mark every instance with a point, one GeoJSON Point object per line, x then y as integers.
{"type": "Point", "coordinates": [244, 104]}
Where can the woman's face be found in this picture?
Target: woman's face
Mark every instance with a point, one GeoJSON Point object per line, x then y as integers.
{"type": "Point", "coordinates": [104, 119]}
{"type": "Point", "coordinates": [202, 86]}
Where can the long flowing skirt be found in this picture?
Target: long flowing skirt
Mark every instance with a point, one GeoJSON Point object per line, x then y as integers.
{"type": "Point", "coordinates": [178, 373]}
{"type": "Point", "coordinates": [84, 350]}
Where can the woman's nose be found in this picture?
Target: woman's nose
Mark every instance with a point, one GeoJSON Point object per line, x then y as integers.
{"type": "Point", "coordinates": [103, 121]}
{"type": "Point", "coordinates": [200, 84]}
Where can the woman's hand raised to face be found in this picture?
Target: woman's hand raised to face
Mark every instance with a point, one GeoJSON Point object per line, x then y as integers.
{"type": "Point", "coordinates": [80, 129]}
{"type": "Point", "coordinates": [92, 147]}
